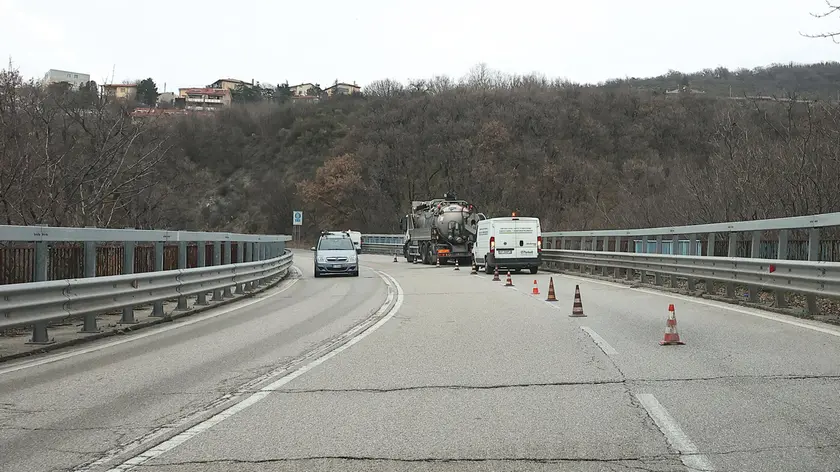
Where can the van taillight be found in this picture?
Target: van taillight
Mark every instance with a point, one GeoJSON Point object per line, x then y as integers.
{"type": "Point", "coordinates": [492, 244]}
{"type": "Point", "coordinates": [539, 243]}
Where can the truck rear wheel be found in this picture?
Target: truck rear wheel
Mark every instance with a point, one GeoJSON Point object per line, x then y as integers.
{"type": "Point", "coordinates": [534, 270]}
{"type": "Point", "coordinates": [430, 254]}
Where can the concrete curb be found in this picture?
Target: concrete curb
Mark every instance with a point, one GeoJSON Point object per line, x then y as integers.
{"type": "Point", "coordinates": [146, 324]}
{"type": "Point", "coordinates": [696, 294]}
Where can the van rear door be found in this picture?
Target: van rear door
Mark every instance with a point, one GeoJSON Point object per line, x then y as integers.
{"type": "Point", "coordinates": [526, 231]}
{"type": "Point", "coordinates": [505, 238]}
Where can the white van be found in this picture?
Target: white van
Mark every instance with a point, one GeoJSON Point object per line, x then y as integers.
{"type": "Point", "coordinates": [356, 237]}
{"type": "Point", "coordinates": [512, 243]}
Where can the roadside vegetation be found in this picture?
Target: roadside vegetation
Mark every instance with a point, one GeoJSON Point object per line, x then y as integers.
{"type": "Point", "coordinates": [755, 144]}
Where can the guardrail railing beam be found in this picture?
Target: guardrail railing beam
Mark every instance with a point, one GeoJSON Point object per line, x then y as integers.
{"type": "Point", "coordinates": [689, 240]}
{"type": "Point", "coordinates": [141, 254]}
{"type": "Point", "coordinates": [39, 303]}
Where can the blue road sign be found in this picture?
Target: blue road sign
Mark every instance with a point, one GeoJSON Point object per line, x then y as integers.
{"type": "Point", "coordinates": [297, 218]}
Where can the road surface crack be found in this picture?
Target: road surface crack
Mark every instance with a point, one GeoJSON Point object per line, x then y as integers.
{"type": "Point", "coordinates": [448, 387]}
{"type": "Point", "coordinates": [119, 430]}
{"type": "Point", "coordinates": [744, 377]}
{"type": "Point", "coordinates": [782, 447]}
{"type": "Point", "coordinates": [618, 461]}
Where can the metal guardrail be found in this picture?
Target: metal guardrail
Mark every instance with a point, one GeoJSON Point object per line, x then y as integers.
{"type": "Point", "coordinates": [816, 278]}
{"type": "Point", "coordinates": [386, 249]}
{"type": "Point", "coordinates": [50, 233]}
{"type": "Point", "coordinates": [382, 243]}
{"type": "Point", "coordinates": [796, 222]}
{"type": "Point", "coordinates": [39, 303]}
{"type": "Point", "coordinates": [39, 253]}
{"type": "Point", "coordinates": [643, 250]}
{"type": "Point", "coordinates": [707, 252]}
{"type": "Point", "coordinates": [219, 263]}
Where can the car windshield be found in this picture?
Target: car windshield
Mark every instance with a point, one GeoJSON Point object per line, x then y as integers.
{"type": "Point", "coordinates": [335, 244]}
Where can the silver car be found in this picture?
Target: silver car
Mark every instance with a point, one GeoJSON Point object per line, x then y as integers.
{"type": "Point", "coordinates": [336, 254]}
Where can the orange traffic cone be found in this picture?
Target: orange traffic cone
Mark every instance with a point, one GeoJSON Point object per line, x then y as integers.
{"type": "Point", "coordinates": [438, 262]}
{"type": "Point", "coordinates": [509, 282]}
{"type": "Point", "coordinates": [456, 265]}
{"type": "Point", "coordinates": [577, 308]}
{"type": "Point", "coordinates": [474, 269]}
{"type": "Point", "coordinates": [536, 289]}
{"type": "Point", "coordinates": [551, 296]}
{"type": "Point", "coordinates": [496, 275]}
{"type": "Point", "coordinates": [672, 336]}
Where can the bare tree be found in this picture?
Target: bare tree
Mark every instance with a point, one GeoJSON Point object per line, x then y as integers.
{"type": "Point", "coordinates": [831, 9]}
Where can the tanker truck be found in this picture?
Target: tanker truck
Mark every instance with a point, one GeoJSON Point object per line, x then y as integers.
{"type": "Point", "coordinates": [441, 229]}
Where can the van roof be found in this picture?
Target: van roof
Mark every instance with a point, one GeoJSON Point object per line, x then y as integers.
{"type": "Point", "coordinates": [512, 218]}
{"type": "Point", "coordinates": [334, 234]}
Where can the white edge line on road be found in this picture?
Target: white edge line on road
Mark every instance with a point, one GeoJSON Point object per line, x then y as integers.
{"type": "Point", "coordinates": [601, 342]}
{"type": "Point", "coordinates": [185, 436]}
{"type": "Point", "coordinates": [689, 454]}
{"type": "Point", "coordinates": [152, 331]}
{"type": "Point", "coordinates": [721, 305]}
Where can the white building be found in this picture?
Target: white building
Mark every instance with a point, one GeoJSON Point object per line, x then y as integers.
{"type": "Point", "coordinates": [73, 78]}
{"type": "Point", "coordinates": [301, 90]}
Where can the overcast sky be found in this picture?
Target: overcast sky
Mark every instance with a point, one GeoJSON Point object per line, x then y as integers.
{"type": "Point", "coordinates": [187, 43]}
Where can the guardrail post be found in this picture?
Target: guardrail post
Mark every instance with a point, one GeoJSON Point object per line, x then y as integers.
{"type": "Point", "coordinates": [128, 268]}
{"type": "Point", "coordinates": [755, 247]}
{"type": "Point", "coordinates": [813, 255]}
{"type": "Point", "coordinates": [240, 251]}
{"type": "Point", "coordinates": [201, 261]}
{"type": "Point", "coordinates": [692, 251]}
{"type": "Point", "coordinates": [580, 246]}
{"type": "Point", "coordinates": [261, 250]}
{"type": "Point", "coordinates": [89, 323]}
{"type": "Point", "coordinates": [40, 335]}
{"type": "Point", "coordinates": [217, 261]}
{"type": "Point", "coordinates": [606, 249]}
{"type": "Point", "coordinates": [562, 265]}
{"type": "Point", "coordinates": [675, 244]}
{"type": "Point", "coordinates": [732, 251]}
{"type": "Point", "coordinates": [42, 254]}
{"type": "Point", "coordinates": [617, 270]}
{"type": "Point", "coordinates": [710, 251]}
{"type": "Point", "coordinates": [258, 252]}
{"type": "Point", "coordinates": [644, 251]}
{"type": "Point", "coordinates": [157, 307]}
{"type": "Point", "coordinates": [182, 264]}
{"type": "Point", "coordinates": [227, 293]}
{"type": "Point", "coordinates": [657, 277]}
{"type": "Point", "coordinates": [252, 257]}
{"type": "Point", "coordinates": [631, 273]}
{"type": "Point", "coordinates": [780, 295]}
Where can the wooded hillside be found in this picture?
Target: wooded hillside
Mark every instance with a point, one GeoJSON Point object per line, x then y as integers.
{"type": "Point", "coordinates": [578, 156]}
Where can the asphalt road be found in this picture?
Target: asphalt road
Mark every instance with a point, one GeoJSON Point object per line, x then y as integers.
{"type": "Point", "coordinates": [457, 373]}
{"type": "Point", "coordinates": [59, 415]}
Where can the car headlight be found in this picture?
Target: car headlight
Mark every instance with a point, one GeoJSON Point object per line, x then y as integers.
{"type": "Point", "coordinates": [322, 259]}
{"type": "Point", "coordinates": [351, 259]}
